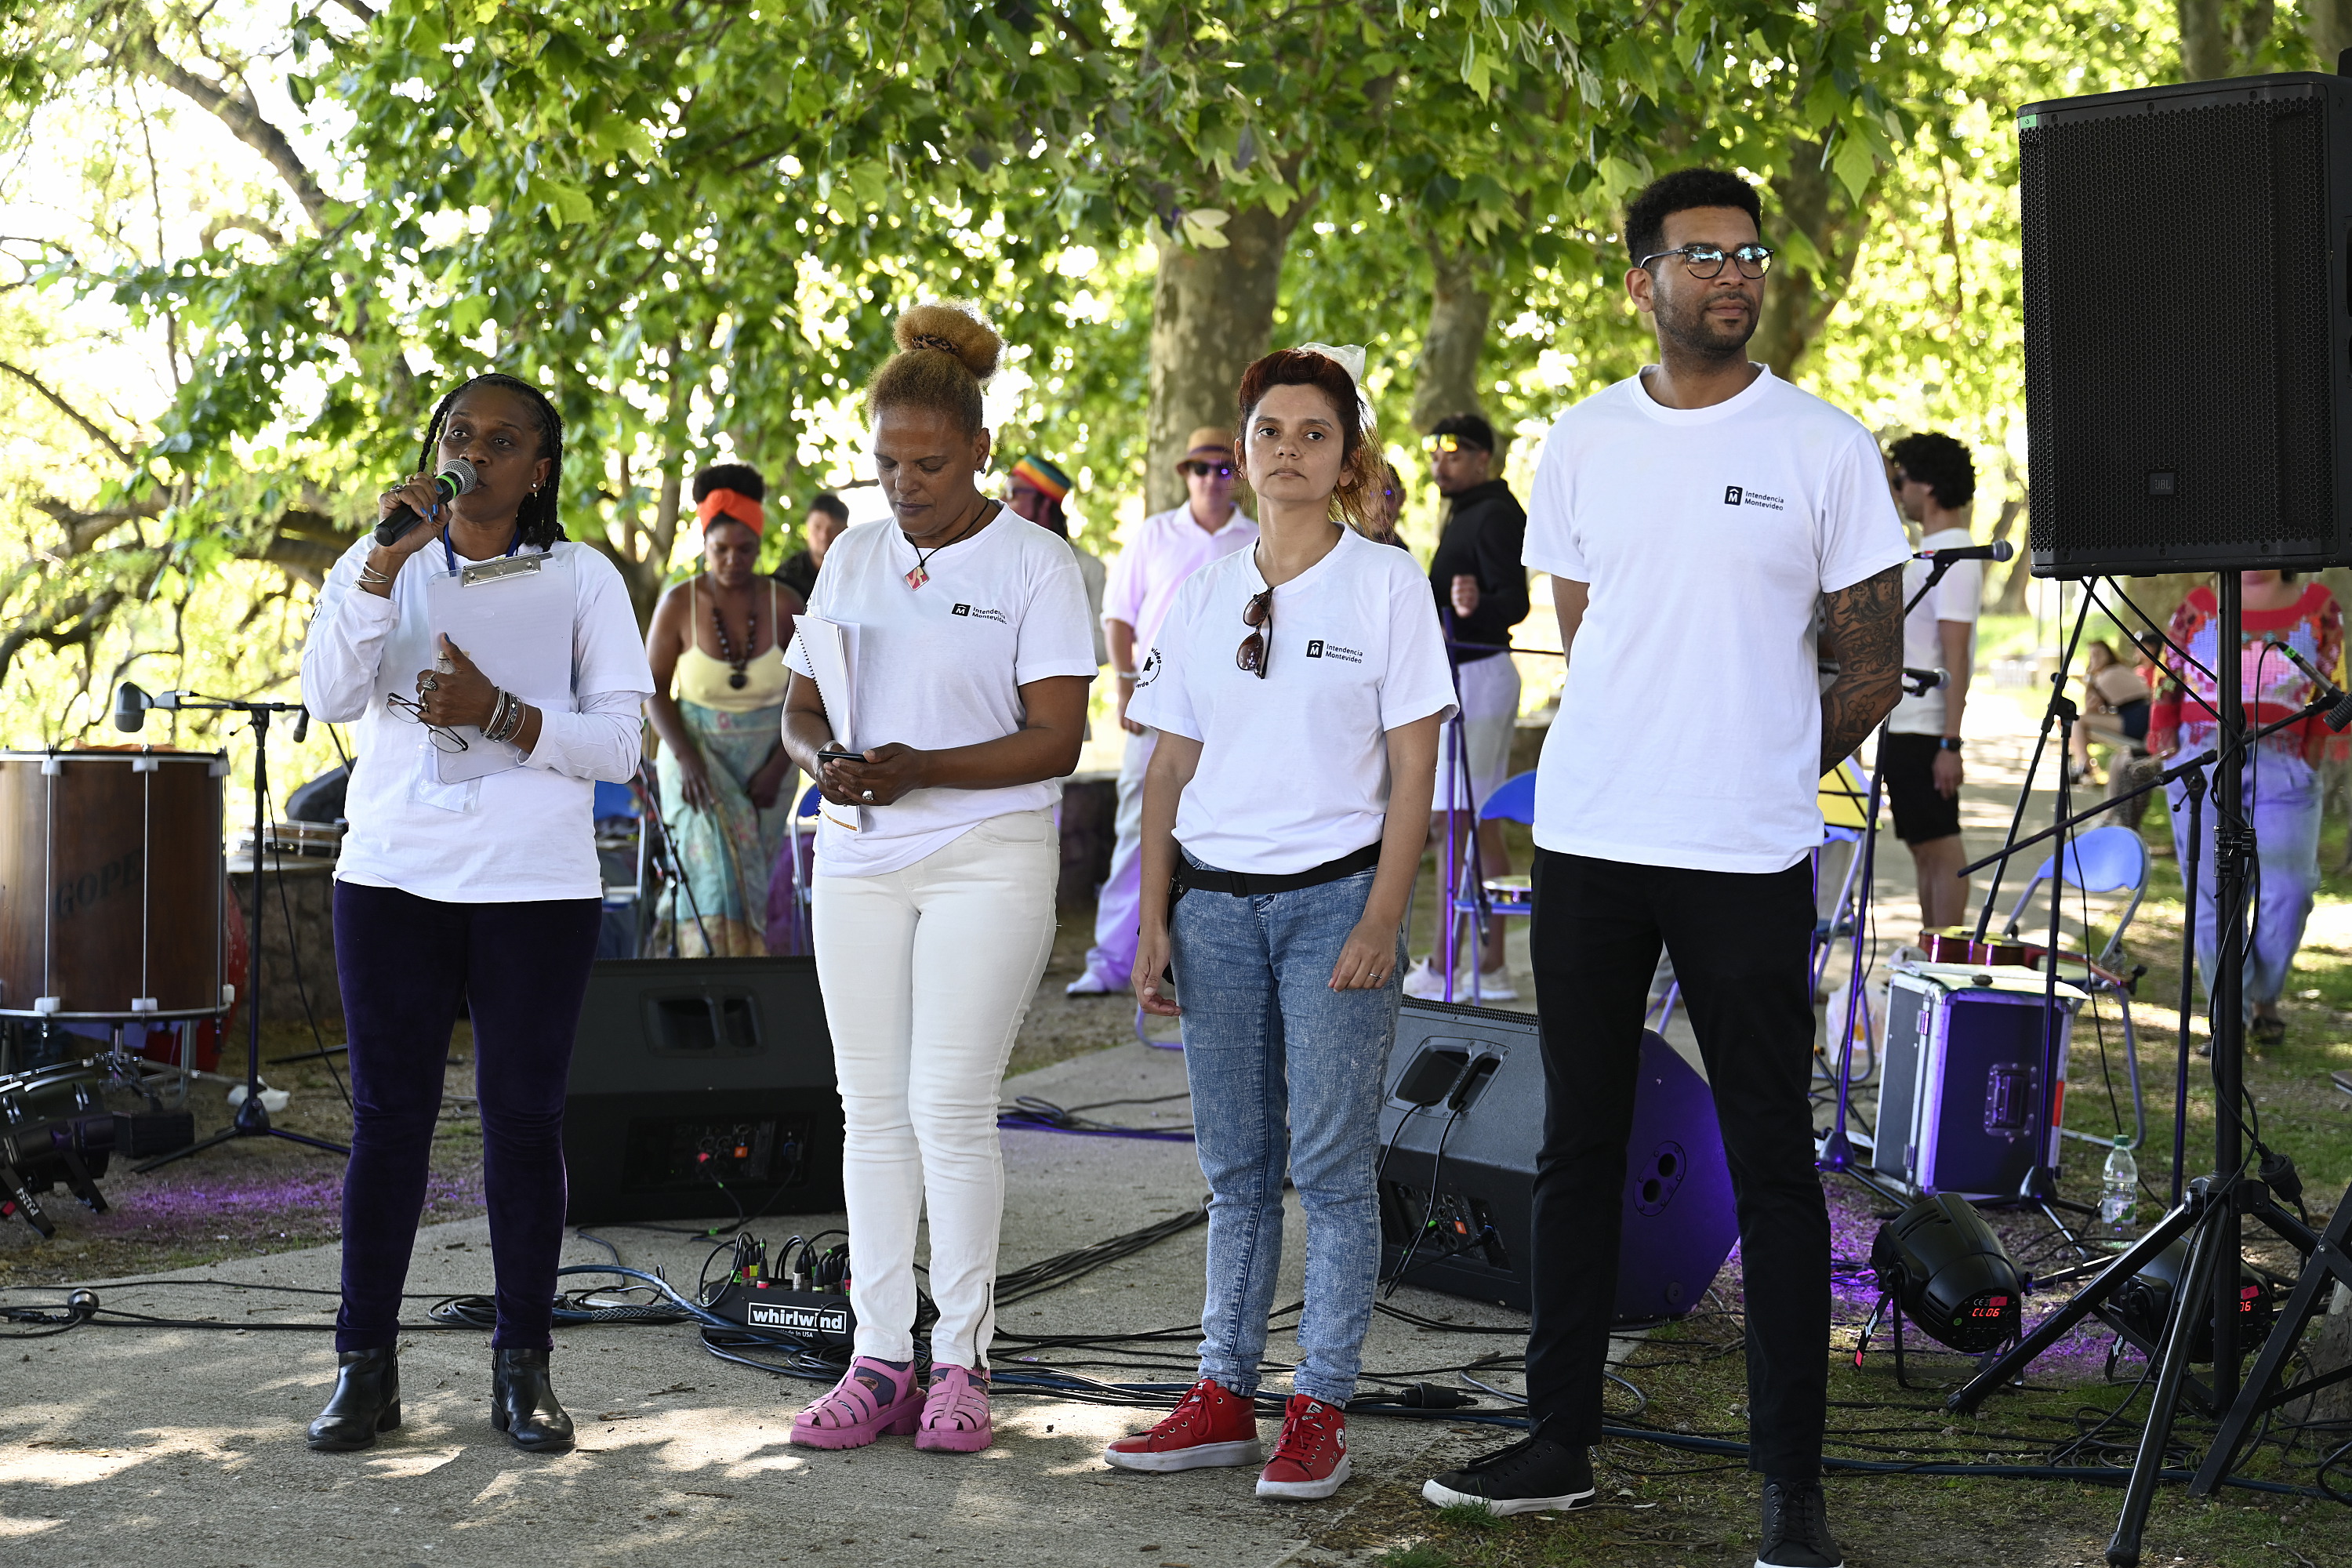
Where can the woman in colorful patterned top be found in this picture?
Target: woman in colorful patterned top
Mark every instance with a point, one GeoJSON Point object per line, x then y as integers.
{"type": "Point", "coordinates": [2282, 781]}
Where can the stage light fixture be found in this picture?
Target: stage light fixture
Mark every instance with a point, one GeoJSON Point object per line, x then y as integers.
{"type": "Point", "coordinates": [1943, 1268]}
{"type": "Point", "coordinates": [2144, 1301]}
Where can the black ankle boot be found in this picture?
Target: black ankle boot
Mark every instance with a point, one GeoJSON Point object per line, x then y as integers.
{"type": "Point", "coordinates": [523, 1403]}
{"type": "Point", "coordinates": [366, 1401]}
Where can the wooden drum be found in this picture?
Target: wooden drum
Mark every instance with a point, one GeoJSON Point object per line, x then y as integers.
{"type": "Point", "coordinates": [110, 884]}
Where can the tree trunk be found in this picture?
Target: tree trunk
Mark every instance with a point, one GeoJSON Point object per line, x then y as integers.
{"type": "Point", "coordinates": [2204, 40]}
{"type": "Point", "coordinates": [1447, 380]}
{"type": "Point", "coordinates": [1798, 302]}
{"type": "Point", "coordinates": [1212, 314]}
{"type": "Point", "coordinates": [2328, 25]}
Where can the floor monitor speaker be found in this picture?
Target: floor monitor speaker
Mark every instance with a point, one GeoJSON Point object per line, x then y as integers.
{"type": "Point", "coordinates": [2189, 326]}
{"type": "Point", "coordinates": [1464, 1118]}
{"type": "Point", "coordinates": [700, 1083]}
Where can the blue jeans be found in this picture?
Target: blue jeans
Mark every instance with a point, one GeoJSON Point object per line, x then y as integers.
{"type": "Point", "coordinates": [2282, 801]}
{"type": "Point", "coordinates": [1285, 1072]}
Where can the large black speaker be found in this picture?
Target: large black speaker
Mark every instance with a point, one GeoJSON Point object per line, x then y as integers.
{"type": "Point", "coordinates": [1470, 1081]}
{"type": "Point", "coordinates": [691, 1074]}
{"type": "Point", "coordinates": [2189, 326]}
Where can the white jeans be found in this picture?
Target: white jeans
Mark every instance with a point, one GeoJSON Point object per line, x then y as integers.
{"type": "Point", "coordinates": [1118, 909]}
{"type": "Point", "coordinates": [1490, 711]}
{"type": "Point", "coordinates": [927, 972]}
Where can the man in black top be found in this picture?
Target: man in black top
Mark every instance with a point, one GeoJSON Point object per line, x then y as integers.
{"type": "Point", "coordinates": [1482, 593]}
{"type": "Point", "coordinates": [828, 514]}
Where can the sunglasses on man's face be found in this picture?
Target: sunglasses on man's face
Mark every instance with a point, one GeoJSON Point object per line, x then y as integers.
{"type": "Point", "coordinates": [1203, 471]}
{"type": "Point", "coordinates": [1257, 648]}
{"type": "Point", "coordinates": [1452, 444]}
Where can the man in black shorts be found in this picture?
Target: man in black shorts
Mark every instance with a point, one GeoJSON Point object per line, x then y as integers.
{"type": "Point", "coordinates": [1919, 757]}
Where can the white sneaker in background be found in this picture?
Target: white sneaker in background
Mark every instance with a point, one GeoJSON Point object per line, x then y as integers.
{"type": "Point", "coordinates": [1495, 987]}
{"type": "Point", "coordinates": [1092, 984]}
{"type": "Point", "coordinates": [1424, 982]}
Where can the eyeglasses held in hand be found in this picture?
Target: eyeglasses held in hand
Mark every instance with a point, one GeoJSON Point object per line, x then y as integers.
{"type": "Point", "coordinates": [1706, 260]}
{"type": "Point", "coordinates": [1258, 648]}
{"type": "Point", "coordinates": [443, 740]}
{"type": "Point", "coordinates": [1202, 470]}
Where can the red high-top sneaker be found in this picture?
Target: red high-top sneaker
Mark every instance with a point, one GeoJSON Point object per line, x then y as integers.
{"type": "Point", "coordinates": [1212, 1425]}
{"type": "Point", "coordinates": [1310, 1458]}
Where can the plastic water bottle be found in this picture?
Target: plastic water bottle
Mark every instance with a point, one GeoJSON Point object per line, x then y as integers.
{"type": "Point", "coordinates": [2120, 1187]}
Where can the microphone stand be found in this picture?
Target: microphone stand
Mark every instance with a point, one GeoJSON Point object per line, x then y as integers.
{"type": "Point", "coordinates": [252, 1119]}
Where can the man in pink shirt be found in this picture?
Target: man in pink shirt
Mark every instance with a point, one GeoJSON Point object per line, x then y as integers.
{"type": "Point", "coordinates": [1169, 547]}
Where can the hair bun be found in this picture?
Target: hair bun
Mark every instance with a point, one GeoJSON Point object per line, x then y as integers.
{"type": "Point", "coordinates": [951, 329]}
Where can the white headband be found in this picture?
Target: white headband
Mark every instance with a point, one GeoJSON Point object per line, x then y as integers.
{"type": "Point", "coordinates": [1349, 357]}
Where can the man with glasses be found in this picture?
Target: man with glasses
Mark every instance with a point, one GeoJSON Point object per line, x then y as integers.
{"type": "Point", "coordinates": [1482, 593]}
{"type": "Point", "coordinates": [1694, 519]}
{"type": "Point", "coordinates": [1169, 547]}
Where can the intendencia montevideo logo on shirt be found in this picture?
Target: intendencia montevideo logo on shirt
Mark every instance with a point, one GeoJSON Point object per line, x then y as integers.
{"type": "Point", "coordinates": [996, 615]}
{"type": "Point", "coordinates": [1319, 648]}
{"type": "Point", "coordinates": [1741, 495]}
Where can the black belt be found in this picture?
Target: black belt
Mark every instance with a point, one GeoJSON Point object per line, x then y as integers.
{"type": "Point", "coordinates": [1250, 884]}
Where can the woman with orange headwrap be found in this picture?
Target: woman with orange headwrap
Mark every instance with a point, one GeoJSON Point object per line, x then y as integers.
{"type": "Point", "coordinates": [717, 650]}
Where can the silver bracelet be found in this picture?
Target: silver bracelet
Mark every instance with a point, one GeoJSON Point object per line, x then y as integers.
{"type": "Point", "coordinates": [507, 720]}
{"type": "Point", "coordinates": [497, 716]}
{"type": "Point", "coordinates": [370, 576]}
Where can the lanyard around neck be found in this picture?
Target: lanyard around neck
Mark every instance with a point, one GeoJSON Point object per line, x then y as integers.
{"type": "Point", "coordinates": [449, 552]}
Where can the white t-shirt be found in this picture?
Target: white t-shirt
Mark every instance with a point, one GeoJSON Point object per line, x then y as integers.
{"type": "Point", "coordinates": [1295, 767]}
{"type": "Point", "coordinates": [1689, 729]}
{"type": "Point", "coordinates": [1955, 598]}
{"type": "Point", "coordinates": [509, 837]}
{"type": "Point", "coordinates": [942, 665]}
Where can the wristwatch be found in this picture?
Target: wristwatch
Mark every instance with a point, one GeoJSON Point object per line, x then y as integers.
{"type": "Point", "coordinates": [1948, 744]}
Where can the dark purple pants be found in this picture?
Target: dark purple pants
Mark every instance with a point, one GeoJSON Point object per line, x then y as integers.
{"type": "Point", "coordinates": [406, 965]}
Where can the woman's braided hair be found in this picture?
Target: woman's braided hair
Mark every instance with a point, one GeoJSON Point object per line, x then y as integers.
{"type": "Point", "coordinates": [536, 521]}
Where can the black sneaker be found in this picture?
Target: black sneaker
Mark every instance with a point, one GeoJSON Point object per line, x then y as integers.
{"type": "Point", "coordinates": [1532, 1475]}
{"type": "Point", "coordinates": [1797, 1528]}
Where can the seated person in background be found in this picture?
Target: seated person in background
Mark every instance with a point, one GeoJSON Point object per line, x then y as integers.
{"type": "Point", "coordinates": [2115, 711]}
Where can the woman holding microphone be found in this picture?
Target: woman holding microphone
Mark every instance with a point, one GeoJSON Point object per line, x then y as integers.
{"type": "Point", "coordinates": [484, 892]}
{"type": "Point", "coordinates": [1283, 820]}
{"type": "Point", "coordinates": [936, 867]}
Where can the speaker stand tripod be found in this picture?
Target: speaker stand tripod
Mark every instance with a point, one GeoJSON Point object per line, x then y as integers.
{"type": "Point", "coordinates": [252, 1119]}
{"type": "Point", "coordinates": [2214, 1208]}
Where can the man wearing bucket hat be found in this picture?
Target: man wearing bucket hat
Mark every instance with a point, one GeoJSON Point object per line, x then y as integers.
{"type": "Point", "coordinates": [1168, 548]}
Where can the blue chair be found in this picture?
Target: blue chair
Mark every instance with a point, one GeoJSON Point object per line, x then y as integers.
{"type": "Point", "coordinates": [2110, 859]}
{"type": "Point", "coordinates": [1512, 800]}
{"type": "Point", "coordinates": [615, 800]}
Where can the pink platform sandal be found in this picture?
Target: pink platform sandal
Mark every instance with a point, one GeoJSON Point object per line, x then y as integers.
{"type": "Point", "coordinates": [955, 1412]}
{"type": "Point", "coordinates": [872, 1398]}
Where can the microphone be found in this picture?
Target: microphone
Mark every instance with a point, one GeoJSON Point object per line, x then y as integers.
{"type": "Point", "coordinates": [301, 725]}
{"type": "Point", "coordinates": [2335, 718]}
{"type": "Point", "coordinates": [131, 706]}
{"type": "Point", "coordinates": [1922, 681]}
{"type": "Point", "coordinates": [1998, 549]}
{"type": "Point", "coordinates": [456, 477]}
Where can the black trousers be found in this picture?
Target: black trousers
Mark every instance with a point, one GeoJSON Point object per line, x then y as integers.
{"type": "Point", "coordinates": [1739, 943]}
{"type": "Point", "coordinates": [406, 965]}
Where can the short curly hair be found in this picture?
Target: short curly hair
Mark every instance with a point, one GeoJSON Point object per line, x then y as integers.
{"type": "Point", "coordinates": [1653, 204]}
{"type": "Point", "coordinates": [1941, 463]}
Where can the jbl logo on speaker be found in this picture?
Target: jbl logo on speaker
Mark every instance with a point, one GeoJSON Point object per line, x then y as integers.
{"type": "Point", "coordinates": [798, 1320]}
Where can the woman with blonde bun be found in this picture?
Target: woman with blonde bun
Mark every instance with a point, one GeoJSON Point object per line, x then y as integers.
{"type": "Point", "coordinates": [936, 868]}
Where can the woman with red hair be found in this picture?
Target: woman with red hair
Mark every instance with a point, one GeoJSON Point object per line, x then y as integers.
{"type": "Point", "coordinates": [1283, 817]}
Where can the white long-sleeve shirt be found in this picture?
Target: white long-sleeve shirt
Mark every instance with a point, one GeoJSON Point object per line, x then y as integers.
{"type": "Point", "coordinates": [507, 837]}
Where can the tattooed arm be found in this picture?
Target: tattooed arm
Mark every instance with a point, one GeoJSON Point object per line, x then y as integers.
{"type": "Point", "coordinates": [1863, 629]}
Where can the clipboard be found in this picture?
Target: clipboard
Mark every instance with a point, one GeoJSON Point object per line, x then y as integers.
{"type": "Point", "coordinates": [513, 617]}
{"type": "Point", "coordinates": [832, 650]}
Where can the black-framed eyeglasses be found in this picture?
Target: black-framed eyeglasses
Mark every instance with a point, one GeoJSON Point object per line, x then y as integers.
{"type": "Point", "coordinates": [1258, 648]}
{"type": "Point", "coordinates": [443, 740]}
{"type": "Point", "coordinates": [1706, 260]}
{"type": "Point", "coordinates": [1202, 470]}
